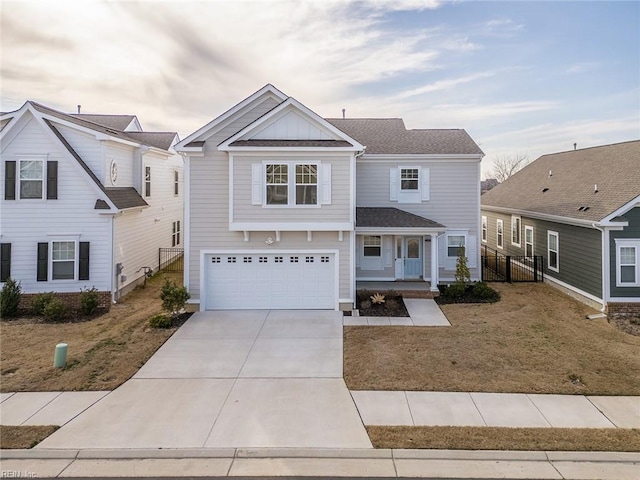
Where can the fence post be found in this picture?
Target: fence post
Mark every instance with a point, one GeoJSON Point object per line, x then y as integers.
{"type": "Point", "coordinates": [159, 258]}
{"type": "Point", "coordinates": [535, 268]}
{"type": "Point", "coordinates": [508, 269]}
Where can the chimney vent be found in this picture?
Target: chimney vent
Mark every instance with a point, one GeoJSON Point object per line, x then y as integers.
{"type": "Point", "coordinates": [344, 111]}
{"type": "Point", "coordinates": [575, 146]}
{"type": "Point", "coordinates": [79, 107]}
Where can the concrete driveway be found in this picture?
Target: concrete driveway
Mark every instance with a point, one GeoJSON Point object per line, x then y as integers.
{"type": "Point", "coordinates": [231, 379]}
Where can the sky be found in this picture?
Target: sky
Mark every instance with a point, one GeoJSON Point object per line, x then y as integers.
{"type": "Point", "coordinates": [520, 77]}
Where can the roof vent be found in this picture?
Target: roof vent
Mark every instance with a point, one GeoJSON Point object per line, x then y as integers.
{"type": "Point", "coordinates": [79, 107]}
{"type": "Point", "coordinates": [595, 188]}
{"type": "Point", "coordinates": [575, 146]}
{"type": "Point", "coordinates": [344, 113]}
{"type": "Point", "coordinates": [550, 173]}
{"type": "Point", "coordinates": [586, 208]}
{"type": "Point", "coordinates": [545, 189]}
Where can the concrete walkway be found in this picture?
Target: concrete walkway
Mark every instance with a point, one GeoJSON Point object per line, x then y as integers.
{"type": "Point", "coordinates": [422, 313]}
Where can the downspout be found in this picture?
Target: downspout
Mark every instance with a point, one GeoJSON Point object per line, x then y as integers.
{"type": "Point", "coordinates": [352, 242]}
{"type": "Point", "coordinates": [604, 265]}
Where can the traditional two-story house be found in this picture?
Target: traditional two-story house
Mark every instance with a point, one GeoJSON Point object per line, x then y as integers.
{"type": "Point", "coordinates": [87, 200]}
{"type": "Point", "coordinates": [285, 209]}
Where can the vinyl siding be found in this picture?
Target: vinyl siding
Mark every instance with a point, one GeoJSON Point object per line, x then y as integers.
{"type": "Point", "coordinates": [579, 249]}
{"type": "Point", "coordinates": [70, 217]}
{"type": "Point", "coordinates": [90, 150]}
{"type": "Point", "coordinates": [632, 231]}
{"type": "Point", "coordinates": [124, 156]}
{"type": "Point", "coordinates": [337, 211]}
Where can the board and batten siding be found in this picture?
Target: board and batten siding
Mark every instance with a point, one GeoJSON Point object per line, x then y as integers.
{"type": "Point", "coordinates": [25, 222]}
{"type": "Point", "coordinates": [579, 249]}
{"type": "Point", "coordinates": [337, 211]}
{"type": "Point", "coordinates": [632, 231]}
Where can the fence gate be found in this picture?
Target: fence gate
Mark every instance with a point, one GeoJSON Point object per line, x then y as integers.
{"type": "Point", "coordinates": [171, 259]}
{"type": "Point", "coordinates": [497, 267]}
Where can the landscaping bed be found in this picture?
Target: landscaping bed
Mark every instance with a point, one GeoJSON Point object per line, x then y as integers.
{"type": "Point", "coordinates": [535, 340]}
{"type": "Point", "coordinates": [391, 305]}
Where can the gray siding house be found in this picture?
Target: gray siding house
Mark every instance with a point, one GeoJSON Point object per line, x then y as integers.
{"type": "Point", "coordinates": [286, 209]}
{"type": "Point", "coordinates": [580, 210]}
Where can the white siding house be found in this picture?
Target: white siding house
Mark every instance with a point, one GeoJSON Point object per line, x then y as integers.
{"type": "Point", "coordinates": [285, 209]}
{"type": "Point", "coordinates": [74, 210]}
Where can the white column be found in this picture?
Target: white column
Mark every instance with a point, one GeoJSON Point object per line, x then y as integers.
{"type": "Point", "coordinates": [434, 262]}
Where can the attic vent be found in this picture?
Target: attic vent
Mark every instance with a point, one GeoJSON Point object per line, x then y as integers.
{"type": "Point", "coordinates": [111, 131]}
{"type": "Point", "coordinates": [583, 209]}
{"type": "Point", "coordinates": [545, 189]}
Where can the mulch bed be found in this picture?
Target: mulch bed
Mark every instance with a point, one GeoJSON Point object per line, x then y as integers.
{"type": "Point", "coordinates": [393, 305]}
{"type": "Point", "coordinates": [627, 323]}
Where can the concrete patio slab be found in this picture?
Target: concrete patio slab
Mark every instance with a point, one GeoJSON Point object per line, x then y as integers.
{"type": "Point", "coordinates": [294, 357]}
{"type": "Point", "coordinates": [444, 408]}
{"type": "Point", "coordinates": [508, 410]}
{"type": "Point", "coordinates": [4, 396]}
{"type": "Point", "coordinates": [425, 312]}
{"type": "Point", "coordinates": [624, 412]}
{"type": "Point", "coordinates": [569, 411]}
{"type": "Point", "coordinates": [145, 413]}
{"type": "Point", "coordinates": [64, 407]}
{"type": "Point", "coordinates": [475, 469]}
{"type": "Point", "coordinates": [318, 467]}
{"type": "Point", "coordinates": [150, 467]}
{"type": "Point", "coordinates": [382, 408]}
{"type": "Point", "coordinates": [202, 358]}
{"type": "Point", "coordinates": [302, 324]}
{"type": "Point", "coordinates": [299, 413]}
{"type": "Point", "coordinates": [222, 324]}
{"type": "Point", "coordinates": [18, 408]}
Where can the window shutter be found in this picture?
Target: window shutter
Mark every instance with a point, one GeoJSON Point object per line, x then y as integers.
{"type": "Point", "coordinates": [5, 261]}
{"type": "Point", "coordinates": [52, 180]}
{"type": "Point", "coordinates": [83, 268]}
{"type": "Point", "coordinates": [471, 251]}
{"type": "Point", "coordinates": [10, 180]}
{"type": "Point", "coordinates": [325, 170]}
{"type": "Point", "coordinates": [256, 184]}
{"type": "Point", "coordinates": [394, 175]}
{"type": "Point", "coordinates": [442, 245]}
{"type": "Point", "coordinates": [424, 174]}
{"type": "Point", "coordinates": [43, 262]}
{"type": "Point", "coordinates": [387, 251]}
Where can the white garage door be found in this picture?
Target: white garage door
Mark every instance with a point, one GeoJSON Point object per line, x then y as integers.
{"type": "Point", "coordinates": [270, 281]}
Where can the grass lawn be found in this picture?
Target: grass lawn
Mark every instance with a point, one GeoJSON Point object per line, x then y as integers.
{"type": "Point", "coordinates": [103, 352]}
{"type": "Point", "coordinates": [24, 437]}
{"type": "Point", "coordinates": [535, 340]}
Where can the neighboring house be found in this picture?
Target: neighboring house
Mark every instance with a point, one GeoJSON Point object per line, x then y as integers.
{"type": "Point", "coordinates": [488, 184]}
{"type": "Point", "coordinates": [580, 210]}
{"type": "Point", "coordinates": [285, 209]}
{"type": "Point", "coordinates": [87, 200]}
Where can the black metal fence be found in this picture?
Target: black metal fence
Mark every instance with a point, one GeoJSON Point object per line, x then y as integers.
{"type": "Point", "coordinates": [171, 259]}
{"type": "Point", "coordinates": [497, 267]}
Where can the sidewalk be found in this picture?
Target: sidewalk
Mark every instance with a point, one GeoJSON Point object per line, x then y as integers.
{"type": "Point", "coordinates": [324, 462]}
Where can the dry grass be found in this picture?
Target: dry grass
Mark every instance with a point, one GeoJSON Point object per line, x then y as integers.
{"type": "Point", "coordinates": [495, 438]}
{"type": "Point", "coordinates": [24, 437]}
{"type": "Point", "coordinates": [535, 340]}
{"type": "Point", "coordinates": [103, 352]}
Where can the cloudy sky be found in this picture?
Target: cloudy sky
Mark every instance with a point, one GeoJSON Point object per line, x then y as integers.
{"type": "Point", "coordinates": [520, 77]}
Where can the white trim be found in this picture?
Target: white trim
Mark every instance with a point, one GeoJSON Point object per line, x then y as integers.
{"type": "Point", "coordinates": [399, 230]}
{"type": "Point", "coordinates": [533, 242]}
{"type": "Point", "coordinates": [352, 266]}
{"type": "Point", "coordinates": [606, 265]}
{"type": "Point", "coordinates": [419, 157]}
{"type": "Point", "coordinates": [346, 300]}
{"type": "Point", "coordinates": [292, 149]}
{"type": "Point", "coordinates": [624, 300]}
{"type": "Point", "coordinates": [231, 188]}
{"type": "Point", "coordinates": [623, 209]}
{"type": "Point", "coordinates": [500, 221]}
{"type": "Point", "coordinates": [186, 220]}
{"type": "Point", "coordinates": [519, 219]}
{"type": "Point", "coordinates": [552, 279]}
{"type": "Point", "coordinates": [557, 251]}
{"type": "Point", "coordinates": [484, 228]}
{"type": "Point", "coordinates": [540, 216]}
{"type": "Point", "coordinates": [375, 279]}
{"type": "Point", "coordinates": [62, 238]}
{"type": "Point", "coordinates": [268, 251]}
{"type": "Point", "coordinates": [290, 226]}
{"type": "Point", "coordinates": [628, 243]}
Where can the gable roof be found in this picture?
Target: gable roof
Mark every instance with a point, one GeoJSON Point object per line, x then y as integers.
{"type": "Point", "coordinates": [389, 217]}
{"type": "Point", "coordinates": [117, 122]}
{"type": "Point", "coordinates": [564, 184]}
{"type": "Point", "coordinates": [389, 136]}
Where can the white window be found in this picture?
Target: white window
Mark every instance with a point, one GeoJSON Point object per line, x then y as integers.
{"type": "Point", "coordinates": [31, 178]}
{"type": "Point", "coordinates": [63, 260]}
{"type": "Point", "coordinates": [277, 184]}
{"type": "Point", "coordinates": [515, 231]}
{"type": "Point", "coordinates": [409, 179]}
{"type": "Point", "coordinates": [454, 242]}
{"type": "Point", "coordinates": [147, 181]}
{"type": "Point", "coordinates": [372, 246]}
{"type": "Point", "coordinates": [176, 182]}
{"type": "Point", "coordinates": [306, 184]}
{"type": "Point", "coordinates": [528, 241]}
{"type": "Point", "coordinates": [409, 184]}
{"type": "Point", "coordinates": [627, 263]}
{"type": "Point", "coordinates": [175, 235]}
{"type": "Point", "coordinates": [484, 229]}
{"type": "Point", "coordinates": [553, 244]}
{"type": "Point", "coordinates": [500, 233]}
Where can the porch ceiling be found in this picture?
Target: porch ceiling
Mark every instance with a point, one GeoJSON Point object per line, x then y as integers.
{"type": "Point", "coordinates": [392, 218]}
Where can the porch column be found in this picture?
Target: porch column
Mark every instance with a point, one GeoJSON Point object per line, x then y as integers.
{"type": "Point", "coordinates": [434, 262]}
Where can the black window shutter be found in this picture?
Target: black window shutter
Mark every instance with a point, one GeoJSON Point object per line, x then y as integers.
{"type": "Point", "coordinates": [43, 262]}
{"type": "Point", "coordinates": [5, 261]}
{"type": "Point", "coordinates": [10, 180]}
{"type": "Point", "coordinates": [83, 269]}
{"type": "Point", "coordinates": [52, 180]}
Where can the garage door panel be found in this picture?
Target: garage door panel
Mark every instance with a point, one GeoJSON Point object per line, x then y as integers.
{"type": "Point", "coordinates": [270, 281]}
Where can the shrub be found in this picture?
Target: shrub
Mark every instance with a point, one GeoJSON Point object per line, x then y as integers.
{"type": "Point", "coordinates": [89, 300]}
{"type": "Point", "coordinates": [161, 321]}
{"type": "Point", "coordinates": [455, 290]}
{"type": "Point", "coordinates": [377, 298]}
{"type": "Point", "coordinates": [55, 311]}
{"type": "Point", "coordinates": [10, 298]}
{"type": "Point", "coordinates": [40, 302]}
{"type": "Point", "coordinates": [173, 297]}
{"type": "Point", "coordinates": [482, 291]}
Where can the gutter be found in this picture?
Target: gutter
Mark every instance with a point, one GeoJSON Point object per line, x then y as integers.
{"type": "Point", "coordinates": [604, 250]}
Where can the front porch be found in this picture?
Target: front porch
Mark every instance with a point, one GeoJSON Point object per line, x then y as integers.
{"type": "Point", "coordinates": [408, 289]}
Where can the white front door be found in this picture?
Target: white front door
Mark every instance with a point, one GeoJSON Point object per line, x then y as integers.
{"type": "Point", "coordinates": [399, 264]}
{"type": "Point", "coordinates": [412, 257]}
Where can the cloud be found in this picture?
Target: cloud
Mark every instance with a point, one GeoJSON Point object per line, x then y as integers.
{"type": "Point", "coordinates": [442, 85]}
{"type": "Point", "coordinates": [502, 27]}
{"type": "Point", "coordinates": [582, 67]}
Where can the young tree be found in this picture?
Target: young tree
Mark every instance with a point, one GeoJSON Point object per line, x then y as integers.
{"type": "Point", "coordinates": [506, 165]}
{"type": "Point", "coordinates": [463, 276]}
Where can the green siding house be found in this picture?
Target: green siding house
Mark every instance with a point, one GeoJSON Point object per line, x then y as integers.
{"type": "Point", "coordinates": [580, 210]}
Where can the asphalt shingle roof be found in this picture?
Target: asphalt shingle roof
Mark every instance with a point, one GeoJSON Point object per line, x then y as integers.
{"type": "Point", "coordinates": [563, 184]}
{"type": "Point", "coordinates": [117, 122]}
{"type": "Point", "coordinates": [389, 136]}
{"type": "Point", "coordinates": [389, 217]}
{"type": "Point", "coordinates": [125, 197]}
